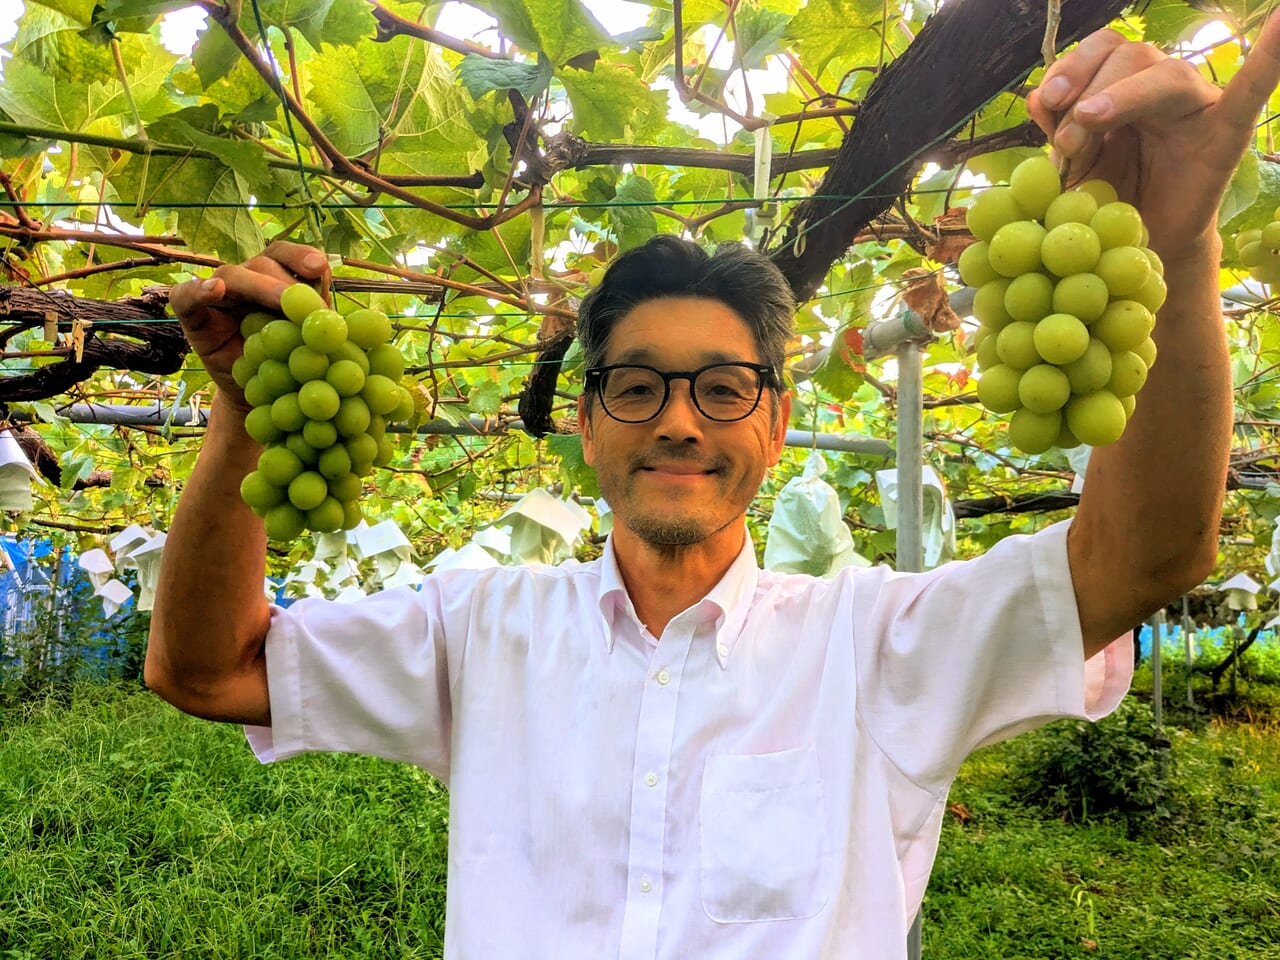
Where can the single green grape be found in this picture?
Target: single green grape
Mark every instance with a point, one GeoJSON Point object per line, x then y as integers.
{"type": "Point", "coordinates": [346, 377]}
{"type": "Point", "coordinates": [1083, 295]}
{"type": "Point", "coordinates": [1016, 345]}
{"type": "Point", "coordinates": [260, 493]}
{"type": "Point", "coordinates": [320, 434]}
{"type": "Point", "coordinates": [299, 300]}
{"type": "Point", "coordinates": [306, 364]}
{"type": "Point", "coordinates": [1123, 325]}
{"type": "Point", "coordinates": [988, 304]}
{"type": "Point", "coordinates": [1117, 224]}
{"type": "Point", "coordinates": [991, 210]}
{"type": "Point", "coordinates": [352, 418]}
{"type": "Point", "coordinates": [1100, 190]}
{"type": "Point", "coordinates": [386, 361]}
{"type": "Point", "coordinates": [324, 331]}
{"type": "Point", "coordinates": [368, 328]}
{"type": "Point", "coordinates": [1035, 183]}
{"type": "Point", "coordinates": [381, 394]}
{"type": "Point", "coordinates": [1128, 373]}
{"type": "Point", "coordinates": [346, 487]}
{"type": "Point", "coordinates": [1092, 370]}
{"type": "Point", "coordinates": [296, 443]}
{"type": "Point", "coordinates": [1071, 206]}
{"type": "Point", "coordinates": [287, 413]}
{"type": "Point", "coordinates": [1124, 270]}
{"type": "Point", "coordinates": [1015, 248]}
{"type": "Point", "coordinates": [276, 378]}
{"type": "Point", "coordinates": [1071, 248]}
{"type": "Point", "coordinates": [1044, 388]}
{"type": "Point", "coordinates": [285, 522]}
{"type": "Point", "coordinates": [279, 465]}
{"type": "Point", "coordinates": [975, 269]}
{"type": "Point", "coordinates": [1033, 432]}
{"type": "Point", "coordinates": [998, 388]}
{"type": "Point", "coordinates": [254, 321]}
{"type": "Point", "coordinates": [1061, 338]}
{"type": "Point", "coordinates": [1097, 418]}
{"type": "Point", "coordinates": [334, 462]}
{"type": "Point", "coordinates": [318, 400]}
{"type": "Point", "coordinates": [259, 425]}
{"type": "Point", "coordinates": [1029, 297]}
{"type": "Point", "coordinates": [307, 490]}
{"type": "Point", "coordinates": [327, 517]}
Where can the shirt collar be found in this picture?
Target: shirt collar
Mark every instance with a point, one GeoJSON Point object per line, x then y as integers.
{"type": "Point", "coordinates": [728, 601]}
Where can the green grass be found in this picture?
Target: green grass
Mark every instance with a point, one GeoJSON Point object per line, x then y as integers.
{"type": "Point", "coordinates": [128, 831]}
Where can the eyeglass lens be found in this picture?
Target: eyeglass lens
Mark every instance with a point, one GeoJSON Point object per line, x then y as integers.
{"type": "Point", "coordinates": [721, 392]}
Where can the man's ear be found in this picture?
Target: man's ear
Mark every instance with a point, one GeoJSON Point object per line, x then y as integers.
{"type": "Point", "coordinates": [778, 439]}
{"type": "Point", "coordinates": [588, 438]}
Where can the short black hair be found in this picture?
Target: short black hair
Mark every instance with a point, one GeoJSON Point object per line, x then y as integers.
{"type": "Point", "coordinates": [742, 279]}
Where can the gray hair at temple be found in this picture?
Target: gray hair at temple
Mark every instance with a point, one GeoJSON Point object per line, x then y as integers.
{"type": "Point", "coordinates": [741, 278]}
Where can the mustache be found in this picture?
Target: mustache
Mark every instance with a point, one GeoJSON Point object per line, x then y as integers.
{"type": "Point", "coordinates": [677, 455]}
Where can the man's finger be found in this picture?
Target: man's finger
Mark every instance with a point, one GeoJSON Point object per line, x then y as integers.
{"type": "Point", "coordinates": [186, 298]}
{"type": "Point", "coordinates": [1072, 73]}
{"type": "Point", "coordinates": [1257, 78]}
{"type": "Point", "coordinates": [1166, 91]}
{"type": "Point", "coordinates": [299, 259]}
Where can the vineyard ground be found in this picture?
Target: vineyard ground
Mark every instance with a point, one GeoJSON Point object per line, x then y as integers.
{"type": "Point", "coordinates": [128, 830]}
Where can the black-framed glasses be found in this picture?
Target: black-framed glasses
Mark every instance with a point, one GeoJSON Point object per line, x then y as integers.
{"type": "Point", "coordinates": [724, 392]}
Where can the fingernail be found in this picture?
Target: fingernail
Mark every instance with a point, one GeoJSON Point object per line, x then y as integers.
{"type": "Point", "coordinates": [1069, 138]}
{"type": "Point", "coordinates": [210, 284]}
{"type": "Point", "coordinates": [1054, 92]}
{"type": "Point", "coordinates": [1095, 107]}
{"type": "Point", "coordinates": [315, 261]}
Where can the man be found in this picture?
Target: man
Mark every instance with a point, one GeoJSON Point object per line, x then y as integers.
{"type": "Point", "coordinates": [667, 752]}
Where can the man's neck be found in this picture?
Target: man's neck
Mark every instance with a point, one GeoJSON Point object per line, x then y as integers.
{"type": "Point", "coordinates": [663, 581]}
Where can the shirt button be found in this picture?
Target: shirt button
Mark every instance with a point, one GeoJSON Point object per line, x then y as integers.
{"type": "Point", "coordinates": [645, 885]}
{"type": "Point", "coordinates": [651, 779]}
{"type": "Point", "coordinates": [723, 650]}
{"type": "Point", "coordinates": [663, 677]}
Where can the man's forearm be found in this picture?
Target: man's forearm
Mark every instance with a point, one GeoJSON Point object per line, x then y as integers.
{"type": "Point", "coordinates": [210, 616]}
{"type": "Point", "coordinates": [1151, 504]}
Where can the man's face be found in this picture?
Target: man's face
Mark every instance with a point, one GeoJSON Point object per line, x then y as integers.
{"type": "Point", "coordinates": [680, 478]}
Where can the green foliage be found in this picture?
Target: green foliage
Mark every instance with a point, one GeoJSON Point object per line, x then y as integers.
{"type": "Point", "coordinates": [128, 829]}
{"type": "Point", "coordinates": [1079, 770]}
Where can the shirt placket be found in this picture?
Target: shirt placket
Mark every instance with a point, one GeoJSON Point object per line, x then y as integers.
{"type": "Point", "coordinates": [649, 780]}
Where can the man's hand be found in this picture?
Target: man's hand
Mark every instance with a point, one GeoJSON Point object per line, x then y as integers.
{"type": "Point", "coordinates": [1155, 128]}
{"type": "Point", "coordinates": [211, 310]}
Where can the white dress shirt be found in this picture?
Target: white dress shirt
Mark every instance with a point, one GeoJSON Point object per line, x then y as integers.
{"type": "Point", "coordinates": [767, 780]}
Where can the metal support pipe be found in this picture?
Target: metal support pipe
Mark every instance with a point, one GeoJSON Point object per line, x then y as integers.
{"type": "Point", "coordinates": [140, 416]}
{"type": "Point", "coordinates": [1188, 635]}
{"type": "Point", "coordinates": [910, 458]}
{"type": "Point", "coordinates": [910, 464]}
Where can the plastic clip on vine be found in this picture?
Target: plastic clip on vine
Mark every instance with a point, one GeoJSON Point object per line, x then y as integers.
{"type": "Point", "coordinates": [323, 388]}
{"type": "Point", "coordinates": [1067, 294]}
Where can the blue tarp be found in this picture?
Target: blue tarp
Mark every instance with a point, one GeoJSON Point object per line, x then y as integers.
{"type": "Point", "coordinates": [48, 612]}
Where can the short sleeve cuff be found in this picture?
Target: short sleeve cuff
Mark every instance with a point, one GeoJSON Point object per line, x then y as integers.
{"type": "Point", "coordinates": [1089, 689]}
{"type": "Point", "coordinates": [284, 686]}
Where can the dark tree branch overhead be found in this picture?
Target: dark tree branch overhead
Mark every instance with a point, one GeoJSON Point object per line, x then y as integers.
{"type": "Point", "coordinates": [919, 99]}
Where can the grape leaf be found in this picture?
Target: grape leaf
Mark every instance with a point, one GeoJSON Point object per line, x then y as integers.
{"type": "Point", "coordinates": [561, 29]}
{"type": "Point", "coordinates": [609, 99]}
{"type": "Point", "coordinates": [481, 75]}
{"type": "Point", "coordinates": [1242, 190]}
{"type": "Point", "coordinates": [574, 469]}
{"type": "Point", "coordinates": [633, 220]}
{"type": "Point", "coordinates": [214, 56]}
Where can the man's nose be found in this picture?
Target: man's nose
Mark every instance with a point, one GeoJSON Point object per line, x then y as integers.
{"type": "Point", "coordinates": [680, 420]}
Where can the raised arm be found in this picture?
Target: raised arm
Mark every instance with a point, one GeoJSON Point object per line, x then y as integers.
{"type": "Point", "coordinates": [1146, 529]}
{"type": "Point", "coordinates": [206, 653]}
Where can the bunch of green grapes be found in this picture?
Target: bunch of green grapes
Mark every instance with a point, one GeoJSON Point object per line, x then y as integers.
{"type": "Point", "coordinates": [1066, 292]}
{"type": "Point", "coordinates": [1259, 250]}
{"type": "Point", "coordinates": [323, 388]}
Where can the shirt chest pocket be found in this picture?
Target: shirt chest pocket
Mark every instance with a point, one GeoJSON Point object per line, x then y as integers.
{"type": "Point", "coordinates": [763, 837]}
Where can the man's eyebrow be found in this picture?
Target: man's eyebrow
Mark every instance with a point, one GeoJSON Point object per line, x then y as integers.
{"type": "Point", "coordinates": [645, 355]}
